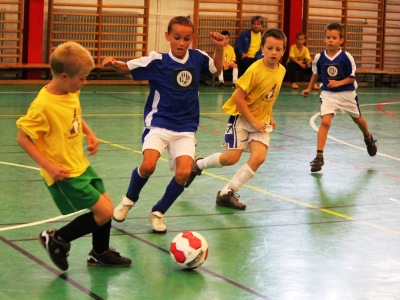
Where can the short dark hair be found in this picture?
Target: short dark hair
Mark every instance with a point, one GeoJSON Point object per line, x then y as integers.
{"type": "Point", "coordinates": [335, 26]}
{"type": "Point", "coordinates": [225, 32]}
{"type": "Point", "coordinates": [181, 20]}
{"type": "Point", "coordinates": [275, 33]}
{"type": "Point", "coordinates": [257, 18]}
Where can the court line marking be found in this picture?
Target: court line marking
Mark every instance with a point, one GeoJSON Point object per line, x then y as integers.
{"type": "Point", "coordinates": [37, 222]}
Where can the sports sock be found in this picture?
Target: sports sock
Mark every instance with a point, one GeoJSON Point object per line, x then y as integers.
{"type": "Point", "coordinates": [80, 226]}
{"type": "Point", "coordinates": [320, 153]}
{"type": "Point", "coordinates": [211, 161]}
{"type": "Point", "coordinates": [135, 186]}
{"type": "Point", "coordinates": [101, 238]}
{"type": "Point", "coordinates": [172, 192]}
{"type": "Point", "coordinates": [244, 174]}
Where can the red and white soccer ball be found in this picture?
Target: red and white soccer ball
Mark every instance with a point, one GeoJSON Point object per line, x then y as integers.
{"type": "Point", "coordinates": [189, 249]}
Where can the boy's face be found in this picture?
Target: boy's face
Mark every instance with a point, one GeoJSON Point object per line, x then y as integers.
{"type": "Point", "coordinates": [273, 50]}
{"type": "Point", "coordinates": [301, 40]}
{"type": "Point", "coordinates": [72, 84]}
{"type": "Point", "coordinates": [226, 40]}
{"type": "Point", "coordinates": [256, 26]}
{"type": "Point", "coordinates": [333, 40]}
{"type": "Point", "coordinates": [179, 39]}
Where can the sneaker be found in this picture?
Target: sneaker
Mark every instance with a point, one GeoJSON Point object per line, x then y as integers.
{"type": "Point", "coordinates": [195, 171]}
{"type": "Point", "coordinates": [229, 200]}
{"type": "Point", "coordinates": [371, 146]}
{"type": "Point", "coordinates": [221, 85]}
{"type": "Point", "coordinates": [316, 87]}
{"type": "Point", "coordinates": [316, 164]}
{"type": "Point", "coordinates": [122, 209]}
{"type": "Point", "coordinates": [57, 250]}
{"type": "Point", "coordinates": [110, 258]}
{"type": "Point", "coordinates": [156, 219]}
{"type": "Point", "coordinates": [294, 86]}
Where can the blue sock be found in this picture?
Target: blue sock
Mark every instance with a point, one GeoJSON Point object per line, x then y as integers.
{"type": "Point", "coordinates": [172, 192]}
{"type": "Point", "coordinates": [136, 185]}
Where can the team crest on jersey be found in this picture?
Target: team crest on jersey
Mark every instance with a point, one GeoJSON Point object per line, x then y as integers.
{"type": "Point", "coordinates": [270, 94]}
{"type": "Point", "coordinates": [332, 71]}
{"type": "Point", "coordinates": [75, 126]}
{"type": "Point", "coordinates": [184, 78]}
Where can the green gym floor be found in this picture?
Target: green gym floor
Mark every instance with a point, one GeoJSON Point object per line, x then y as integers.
{"type": "Point", "coordinates": [328, 235]}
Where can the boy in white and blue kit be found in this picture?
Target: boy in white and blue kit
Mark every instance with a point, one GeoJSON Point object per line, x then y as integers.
{"type": "Point", "coordinates": [337, 69]}
{"type": "Point", "coordinates": [171, 113]}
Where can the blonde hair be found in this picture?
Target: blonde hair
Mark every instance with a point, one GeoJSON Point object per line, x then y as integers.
{"type": "Point", "coordinates": [71, 58]}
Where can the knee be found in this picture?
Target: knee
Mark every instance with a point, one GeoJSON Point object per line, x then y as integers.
{"type": "Point", "coordinates": [229, 161]}
{"type": "Point", "coordinates": [326, 123]}
{"type": "Point", "coordinates": [147, 169]}
{"type": "Point", "coordinates": [182, 175]}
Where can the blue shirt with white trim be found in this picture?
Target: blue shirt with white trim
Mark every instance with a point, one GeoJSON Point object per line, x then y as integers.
{"type": "Point", "coordinates": [173, 101]}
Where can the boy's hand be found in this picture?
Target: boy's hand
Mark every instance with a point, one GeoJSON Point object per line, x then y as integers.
{"type": "Point", "coordinates": [305, 92]}
{"type": "Point", "coordinates": [92, 144]}
{"type": "Point", "coordinates": [57, 171]}
{"type": "Point", "coordinates": [217, 39]}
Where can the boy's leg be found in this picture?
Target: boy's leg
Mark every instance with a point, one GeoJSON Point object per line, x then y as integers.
{"type": "Point", "coordinates": [318, 162]}
{"type": "Point", "coordinates": [368, 138]}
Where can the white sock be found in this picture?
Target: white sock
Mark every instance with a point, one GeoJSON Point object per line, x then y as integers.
{"type": "Point", "coordinates": [244, 174]}
{"type": "Point", "coordinates": [211, 161]}
{"type": "Point", "coordinates": [221, 76]}
{"type": "Point", "coordinates": [235, 73]}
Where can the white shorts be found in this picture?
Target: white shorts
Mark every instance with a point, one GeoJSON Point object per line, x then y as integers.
{"type": "Point", "coordinates": [346, 101]}
{"type": "Point", "coordinates": [177, 143]}
{"type": "Point", "coordinates": [239, 133]}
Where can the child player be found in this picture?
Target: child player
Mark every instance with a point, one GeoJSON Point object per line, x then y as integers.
{"type": "Point", "coordinates": [250, 120]}
{"type": "Point", "coordinates": [337, 69]}
{"type": "Point", "coordinates": [51, 133]}
{"type": "Point", "coordinates": [171, 114]}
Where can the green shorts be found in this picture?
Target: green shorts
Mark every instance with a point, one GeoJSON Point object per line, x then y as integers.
{"type": "Point", "coordinates": [73, 194]}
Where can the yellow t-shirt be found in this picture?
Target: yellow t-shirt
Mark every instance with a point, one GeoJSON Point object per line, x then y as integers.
{"type": "Point", "coordinates": [229, 55]}
{"type": "Point", "coordinates": [262, 86]}
{"type": "Point", "coordinates": [255, 44]}
{"type": "Point", "coordinates": [54, 124]}
{"type": "Point", "coordinates": [301, 55]}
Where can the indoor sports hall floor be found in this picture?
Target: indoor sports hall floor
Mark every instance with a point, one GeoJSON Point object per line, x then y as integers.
{"type": "Point", "coordinates": [328, 235]}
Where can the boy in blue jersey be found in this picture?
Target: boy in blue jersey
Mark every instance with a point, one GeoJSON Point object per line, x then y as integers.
{"type": "Point", "coordinates": [171, 114]}
{"type": "Point", "coordinates": [250, 119]}
{"type": "Point", "coordinates": [338, 90]}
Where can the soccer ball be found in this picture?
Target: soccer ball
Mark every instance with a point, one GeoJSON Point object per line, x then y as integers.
{"type": "Point", "coordinates": [189, 249]}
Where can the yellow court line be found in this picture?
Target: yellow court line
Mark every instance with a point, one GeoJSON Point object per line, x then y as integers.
{"type": "Point", "coordinates": [265, 192]}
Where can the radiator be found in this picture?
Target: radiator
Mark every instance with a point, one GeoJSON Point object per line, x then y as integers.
{"type": "Point", "coordinates": [317, 33]}
{"type": "Point", "coordinates": [115, 39]}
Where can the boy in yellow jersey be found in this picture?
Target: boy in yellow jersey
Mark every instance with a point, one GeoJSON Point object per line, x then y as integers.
{"type": "Point", "coordinates": [250, 122]}
{"type": "Point", "coordinates": [229, 61]}
{"type": "Point", "coordinates": [299, 60]}
{"type": "Point", "coordinates": [51, 133]}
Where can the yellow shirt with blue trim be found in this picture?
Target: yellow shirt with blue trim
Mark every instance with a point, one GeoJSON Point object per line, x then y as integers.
{"type": "Point", "coordinates": [261, 85]}
{"type": "Point", "coordinates": [54, 123]}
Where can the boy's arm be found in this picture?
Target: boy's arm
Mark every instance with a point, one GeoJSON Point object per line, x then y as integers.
{"type": "Point", "coordinates": [313, 80]}
{"type": "Point", "coordinates": [219, 41]}
{"type": "Point", "coordinates": [119, 66]}
{"type": "Point", "coordinates": [240, 99]}
{"type": "Point", "coordinates": [91, 141]}
{"type": "Point", "coordinates": [56, 171]}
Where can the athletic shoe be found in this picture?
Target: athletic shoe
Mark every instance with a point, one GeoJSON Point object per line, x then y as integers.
{"type": "Point", "coordinates": [229, 200]}
{"type": "Point", "coordinates": [156, 219]}
{"type": "Point", "coordinates": [195, 171]}
{"type": "Point", "coordinates": [221, 85]}
{"type": "Point", "coordinates": [122, 209]}
{"type": "Point", "coordinates": [294, 86]}
{"type": "Point", "coordinates": [316, 164]}
{"type": "Point", "coordinates": [110, 258]}
{"type": "Point", "coordinates": [371, 146]}
{"type": "Point", "coordinates": [57, 250]}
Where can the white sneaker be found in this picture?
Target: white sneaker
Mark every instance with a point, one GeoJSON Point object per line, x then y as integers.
{"type": "Point", "coordinates": [122, 209]}
{"type": "Point", "coordinates": [156, 219]}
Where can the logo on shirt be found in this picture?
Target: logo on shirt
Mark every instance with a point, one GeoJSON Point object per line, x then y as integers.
{"type": "Point", "coordinates": [270, 94]}
{"type": "Point", "coordinates": [75, 126]}
{"type": "Point", "coordinates": [332, 71]}
{"type": "Point", "coordinates": [184, 78]}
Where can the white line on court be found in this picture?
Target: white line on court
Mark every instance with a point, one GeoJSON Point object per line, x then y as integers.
{"type": "Point", "coordinates": [37, 222]}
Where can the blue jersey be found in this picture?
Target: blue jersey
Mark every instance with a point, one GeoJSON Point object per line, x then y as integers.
{"type": "Point", "coordinates": [173, 101]}
{"type": "Point", "coordinates": [339, 67]}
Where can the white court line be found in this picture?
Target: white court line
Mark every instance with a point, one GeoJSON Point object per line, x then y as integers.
{"type": "Point", "coordinates": [37, 222]}
{"type": "Point", "coordinates": [314, 126]}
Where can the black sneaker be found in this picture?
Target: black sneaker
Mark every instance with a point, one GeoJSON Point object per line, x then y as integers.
{"type": "Point", "coordinates": [371, 146]}
{"type": "Point", "coordinates": [316, 164]}
{"type": "Point", "coordinates": [229, 200]}
{"type": "Point", "coordinates": [221, 85]}
{"type": "Point", "coordinates": [57, 250]}
{"type": "Point", "coordinates": [195, 171]}
{"type": "Point", "coordinates": [110, 258]}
